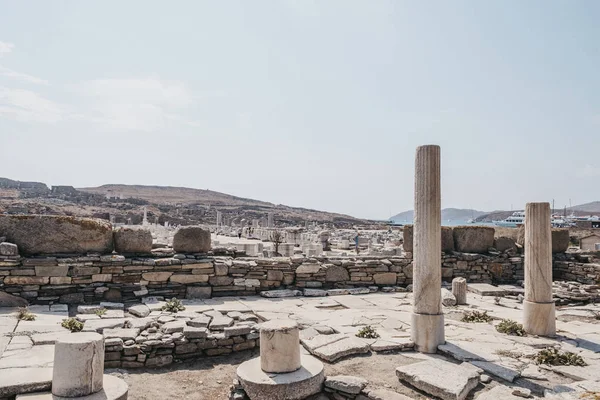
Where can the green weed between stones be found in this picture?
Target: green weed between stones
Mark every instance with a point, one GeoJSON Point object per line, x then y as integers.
{"type": "Point", "coordinates": [368, 332]}
{"type": "Point", "coordinates": [72, 324]}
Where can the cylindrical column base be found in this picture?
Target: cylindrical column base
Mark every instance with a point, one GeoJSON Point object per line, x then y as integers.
{"type": "Point", "coordinates": [78, 365]}
{"type": "Point", "coordinates": [539, 318]}
{"type": "Point", "coordinates": [427, 332]}
{"type": "Point", "coordinates": [459, 290]}
{"type": "Point", "coordinates": [279, 346]}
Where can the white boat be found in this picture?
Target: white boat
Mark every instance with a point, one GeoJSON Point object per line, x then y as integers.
{"type": "Point", "coordinates": [518, 218]}
{"type": "Point", "coordinates": [515, 220]}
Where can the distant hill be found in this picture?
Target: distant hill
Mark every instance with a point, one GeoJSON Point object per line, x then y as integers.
{"type": "Point", "coordinates": [453, 214]}
{"type": "Point", "coordinates": [593, 207]}
{"type": "Point", "coordinates": [176, 205]}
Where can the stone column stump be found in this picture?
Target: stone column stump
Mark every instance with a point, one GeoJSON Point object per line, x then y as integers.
{"type": "Point", "coordinates": [459, 290]}
{"type": "Point", "coordinates": [280, 346]}
{"type": "Point", "coordinates": [78, 365]}
{"type": "Point", "coordinates": [538, 306]}
{"type": "Point", "coordinates": [281, 372]}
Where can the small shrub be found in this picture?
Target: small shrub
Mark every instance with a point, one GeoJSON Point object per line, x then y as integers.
{"type": "Point", "coordinates": [497, 300]}
{"type": "Point", "coordinates": [24, 314]}
{"type": "Point", "coordinates": [510, 327]}
{"type": "Point", "coordinates": [368, 332]}
{"type": "Point", "coordinates": [174, 305]}
{"type": "Point", "coordinates": [100, 312]}
{"type": "Point", "coordinates": [552, 356]}
{"type": "Point", "coordinates": [72, 324]}
{"type": "Point", "coordinates": [596, 314]}
{"type": "Point", "coordinates": [590, 395]}
{"type": "Point", "coordinates": [476, 316]}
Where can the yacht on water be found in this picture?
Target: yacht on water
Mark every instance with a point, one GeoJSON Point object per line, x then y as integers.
{"type": "Point", "coordinates": [518, 218]}
{"type": "Point", "coordinates": [513, 221]}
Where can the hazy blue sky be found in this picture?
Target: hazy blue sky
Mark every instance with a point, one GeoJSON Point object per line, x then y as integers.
{"type": "Point", "coordinates": [316, 104]}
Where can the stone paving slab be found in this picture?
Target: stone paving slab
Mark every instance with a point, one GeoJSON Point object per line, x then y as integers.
{"type": "Point", "coordinates": [441, 379]}
{"type": "Point", "coordinates": [36, 356]}
{"type": "Point", "coordinates": [24, 380]}
{"type": "Point", "coordinates": [342, 348]}
{"type": "Point", "coordinates": [485, 289]}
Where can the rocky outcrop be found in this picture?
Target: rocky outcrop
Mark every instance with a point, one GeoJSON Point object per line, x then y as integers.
{"type": "Point", "coordinates": [560, 240]}
{"type": "Point", "coordinates": [473, 239]}
{"type": "Point", "coordinates": [44, 234]}
{"type": "Point", "coordinates": [191, 239]}
{"type": "Point", "coordinates": [129, 240]}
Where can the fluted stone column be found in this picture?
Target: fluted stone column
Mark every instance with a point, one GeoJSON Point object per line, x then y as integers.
{"type": "Point", "coordinates": [538, 306]}
{"type": "Point", "coordinates": [427, 328]}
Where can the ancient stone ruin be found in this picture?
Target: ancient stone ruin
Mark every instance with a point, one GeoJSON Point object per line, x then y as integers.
{"type": "Point", "coordinates": [299, 313]}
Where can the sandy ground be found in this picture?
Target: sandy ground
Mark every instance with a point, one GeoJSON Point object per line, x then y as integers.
{"type": "Point", "coordinates": [211, 378]}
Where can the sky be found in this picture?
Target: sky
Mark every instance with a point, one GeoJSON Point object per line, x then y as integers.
{"type": "Point", "coordinates": [316, 104]}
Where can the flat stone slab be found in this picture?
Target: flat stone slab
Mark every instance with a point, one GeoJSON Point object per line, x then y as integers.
{"type": "Point", "coordinates": [317, 341]}
{"type": "Point", "coordinates": [499, 393]}
{"type": "Point", "coordinates": [36, 356]}
{"type": "Point", "coordinates": [99, 325]}
{"type": "Point", "coordinates": [498, 370]}
{"type": "Point", "coordinates": [278, 294]}
{"type": "Point", "coordinates": [346, 383]}
{"type": "Point", "coordinates": [439, 378]}
{"type": "Point", "coordinates": [119, 333]}
{"type": "Point", "coordinates": [48, 338]}
{"type": "Point", "coordinates": [485, 289]}
{"type": "Point", "coordinates": [113, 389]}
{"type": "Point", "coordinates": [15, 381]}
{"type": "Point", "coordinates": [296, 385]}
{"type": "Point", "coordinates": [341, 348]}
{"type": "Point", "coordinates": [573, 391]}
{"type": "Point", "coordinates": [140, 310]}
{"type": "Point", "coordinates": [383, 394]}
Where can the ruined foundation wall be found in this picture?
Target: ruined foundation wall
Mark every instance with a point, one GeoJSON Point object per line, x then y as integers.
{"type": "Point", "coordinates": [94, 278]}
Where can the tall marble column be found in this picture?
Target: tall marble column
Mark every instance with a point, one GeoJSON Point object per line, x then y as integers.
{"type": "Point", "coordinates": [538, 307]}
{"type": "Point", "coordinates": [427, 329]}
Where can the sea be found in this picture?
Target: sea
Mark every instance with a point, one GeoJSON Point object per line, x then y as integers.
{"type": "Point", "coordinates": [453, 222]}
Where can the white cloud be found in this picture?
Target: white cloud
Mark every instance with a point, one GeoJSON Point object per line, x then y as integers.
{"type": "Point", "coordinates": [5, 48]}
{"type": "Point", "coordinates": [27, 106]}
{"type": "Point", "coordinates": [9, 73]}
{"type": "Point", "coordinates": [590, 171]}
{"type": "Point", "coordinates": [145, 104]}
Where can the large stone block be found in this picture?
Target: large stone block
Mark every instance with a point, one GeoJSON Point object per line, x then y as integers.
{"type": "Point", "coordinates": [129, 240]}
{"type": "Point", "coordinates": [8, 300]}
{"type": "Point", "coordinates": [45, 234]}
{"type": "Point", "coordinates": [385, 278]}
{"type": "Point", "coordinates": [156, 276]}
{"type": "Point", "coordinates": [503, 243]}
{"type": "Point", "coordinates": [191, 239]}
{"type": "Point", "coordinates": [336, 273]}
{"type": "Point", "coordinates": [473, 239]}
{"type": "Point", "coordinates": [8, 249]}
{"type": "Point", "coordinates": [560, 240]}
{"type": "Point", "coordinates": [447, 238]}
{"type": "Point", "coordinates": [189, 278]}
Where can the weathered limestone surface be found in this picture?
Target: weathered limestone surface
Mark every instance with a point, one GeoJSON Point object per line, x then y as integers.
{"type": "Point", "coordinates": [459, 290]}
{"type": "Point", "coordinates": [473, 239]}
{"type": "Point", "coordinates": [78, 365]}
{"type": "Point", "coordinates": [8, 300]}
{"type": "Point", "coordinates": [538, 306]}
{"type": "Point", "coordinates": [447, 238]}
{"type": "Point", "coordinates": [296, 385]}
{"type": "Point", "coordinates": [427, 318]}
{"type": "Point", "coordinates": [37, 234]}
{"type": "Point", "coordinates": [279, 346]}
{"type": "Point", "coordinates": [191, 239]}
{"type": "Point", "coordinates": [440, 378]}
{"type": "Point", "coordinates": [346, 383]}
{"type": "Point", "coordinates": [129, 240]}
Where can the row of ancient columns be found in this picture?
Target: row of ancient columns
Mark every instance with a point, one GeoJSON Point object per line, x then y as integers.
{"type": "Point", "coordinates": [427, 330]}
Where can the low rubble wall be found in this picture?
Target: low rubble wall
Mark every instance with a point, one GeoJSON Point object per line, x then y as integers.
{"type": "Point", "coordinates": [94, 278]}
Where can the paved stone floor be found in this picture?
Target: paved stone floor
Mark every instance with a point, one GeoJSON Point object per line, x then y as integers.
{"type": "Point", "coordinates": [330, 324]}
